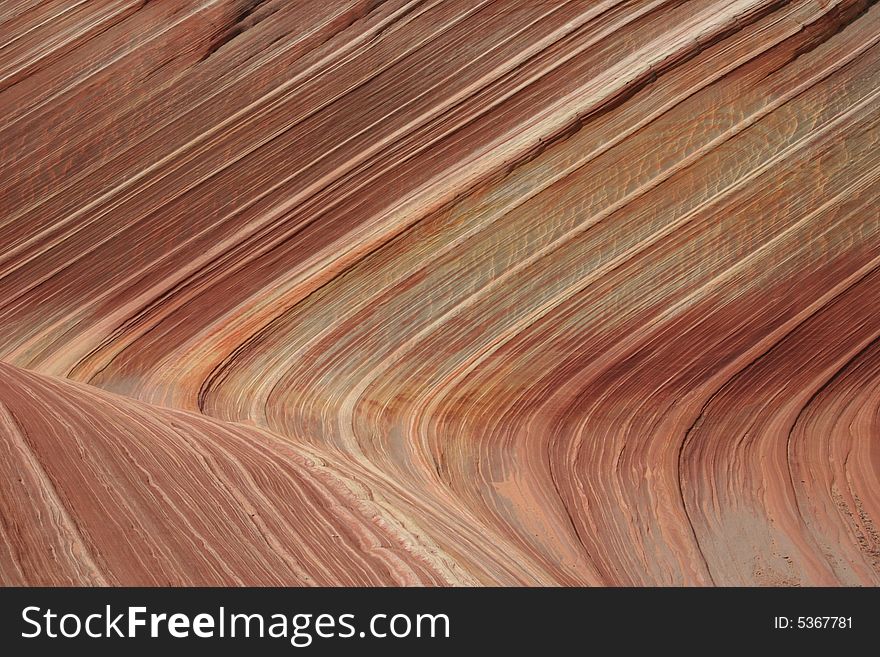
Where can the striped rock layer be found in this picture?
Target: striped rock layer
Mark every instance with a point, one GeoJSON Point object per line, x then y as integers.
{"type": "Point", "coordinates": [484, 292]}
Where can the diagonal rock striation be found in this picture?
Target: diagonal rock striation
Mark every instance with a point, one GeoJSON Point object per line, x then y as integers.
{"type": "Point", "coordinates": [432, 292]}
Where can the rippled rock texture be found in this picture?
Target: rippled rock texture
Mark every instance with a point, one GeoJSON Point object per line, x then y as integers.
{"type": "Point", "coordinates": [440, 292]}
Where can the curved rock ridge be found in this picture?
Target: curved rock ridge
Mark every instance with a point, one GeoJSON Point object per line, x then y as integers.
{"type": "Point", "coordinates": [422, 292]}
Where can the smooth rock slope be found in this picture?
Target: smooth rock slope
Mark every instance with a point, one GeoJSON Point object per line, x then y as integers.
{"type": "Point", "coordinates": [440, 292]}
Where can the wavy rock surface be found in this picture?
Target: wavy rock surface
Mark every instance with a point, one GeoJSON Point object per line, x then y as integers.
{"type": "Point", "coordinates": [440, 292]}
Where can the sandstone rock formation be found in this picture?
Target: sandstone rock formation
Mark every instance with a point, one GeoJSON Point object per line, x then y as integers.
{"type": "Point", "coordinates": [440, 292]}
